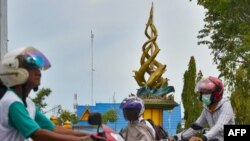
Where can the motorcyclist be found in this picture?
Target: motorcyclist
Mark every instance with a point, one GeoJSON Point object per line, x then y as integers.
{"type": "Point", "coordinates": [137, 128]}
{"type": "Point", "coordinates": [20, 72]}
{"type": "Point", "coordinates": [217, 112]}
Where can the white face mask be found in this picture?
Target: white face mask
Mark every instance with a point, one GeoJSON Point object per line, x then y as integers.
{"type": "Point", "coordinates": [206, 99]}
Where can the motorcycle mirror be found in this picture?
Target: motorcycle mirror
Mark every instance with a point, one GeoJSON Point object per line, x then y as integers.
{"type": "Point", "coordinates": [196, 126]}
{"type": "Point", "coordinates": [95, 118]}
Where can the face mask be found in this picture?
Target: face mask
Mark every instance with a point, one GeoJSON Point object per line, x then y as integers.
{"type": "Point", "coordinates": [206, 99]}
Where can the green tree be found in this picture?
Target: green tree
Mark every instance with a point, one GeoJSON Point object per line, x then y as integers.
{"type": "Point", "coordinates": [197, 104]}
{"type": "Point", "coordinates": [240, 98]}
{"type": "Point", "coordinates": [67, 115]}
{"type": "Point", "coordinates": [179, 128]}
{"type": "Point", "coordinates": [199, 76]}
{"type": "Point", "coordinates": [40, 97]}
{"type": "Point", "coordinates": [227, 33]}
{"type": "Point", "coordinates": [190, 99]}
{"type": "Point", "coordinates": [185, 97]}
{"type": "Point", "coordinates": [110, 116]}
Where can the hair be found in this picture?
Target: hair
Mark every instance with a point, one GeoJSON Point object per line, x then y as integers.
{"type": "Point", "coordinates": [3, 89]}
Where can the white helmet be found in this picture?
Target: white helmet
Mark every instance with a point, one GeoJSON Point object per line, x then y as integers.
{"type": "Point", "coordinates": [14, 65]}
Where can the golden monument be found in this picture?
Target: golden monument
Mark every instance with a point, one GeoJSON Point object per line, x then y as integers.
{"type": "Point", "coordinates": [154, 89]}
{"type": "Point", "coordinates": [54, 120]}
{"type": "Point", "coordinates": [149, 65]}
{"type": "Point", "coordinates": [67, 125]}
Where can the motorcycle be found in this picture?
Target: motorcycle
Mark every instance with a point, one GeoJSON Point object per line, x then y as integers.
{"type": "Point", "coordinates": [104, 133]}
{"type": "Point", "coordinates": [200, 130]}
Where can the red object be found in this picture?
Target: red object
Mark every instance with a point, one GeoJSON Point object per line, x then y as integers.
{"type": "Point", "coordinates": [105, 135]}
{"type": "Point", "coordinates": [211, 85]}
{"type": "Point", "coordinates": [218, 92]}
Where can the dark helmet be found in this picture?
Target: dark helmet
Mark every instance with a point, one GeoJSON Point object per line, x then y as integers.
{"type": "Point", "coordinates": [133, 108]}
{"type": "Point", "coordinates": [211, 85]}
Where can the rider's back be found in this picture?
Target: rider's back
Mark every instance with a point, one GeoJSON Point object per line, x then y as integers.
{"type": "Point", "coordinates": [138, 131]}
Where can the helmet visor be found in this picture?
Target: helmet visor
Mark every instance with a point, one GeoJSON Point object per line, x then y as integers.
{"type": "Point", "coordinates": [131, 114]}
{"type": "Point", "coordinates": [34, 58]}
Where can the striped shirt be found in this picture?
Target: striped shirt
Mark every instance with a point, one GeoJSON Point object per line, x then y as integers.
{"type": "Point", "coordinates": [223, 115]}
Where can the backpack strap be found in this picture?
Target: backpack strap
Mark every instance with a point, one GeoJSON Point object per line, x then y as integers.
{"type": "Point", "coordinates": [160, 133]}
{"type": "Point", "coordinates": [124, 133]}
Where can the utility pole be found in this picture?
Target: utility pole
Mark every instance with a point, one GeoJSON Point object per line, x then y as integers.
{"type": "Point", "coordinates": [114, 98]}
{"type": "Point", "coordinates": [92, 67]}
{"type": "Point", "coordinates": [3, 28]}
{"type": "Point", "coordinates": [75, 104]}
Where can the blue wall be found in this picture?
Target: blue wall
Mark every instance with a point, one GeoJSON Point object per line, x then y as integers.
{"type": "Point", "coordinates": [170, 118]}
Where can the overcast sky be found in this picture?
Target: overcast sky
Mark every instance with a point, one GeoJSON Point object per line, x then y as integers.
{"type": "Point", "coordinates": [61, 29]}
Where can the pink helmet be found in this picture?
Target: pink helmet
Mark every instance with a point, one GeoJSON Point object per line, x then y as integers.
{"type": "Point", "coordinates": [211, 85]}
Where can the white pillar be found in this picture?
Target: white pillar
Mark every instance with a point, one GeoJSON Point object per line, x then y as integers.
{"type": "Point", "coordinates": [75, 104]}
{"type": "Point", "coordinates": [3, 28]}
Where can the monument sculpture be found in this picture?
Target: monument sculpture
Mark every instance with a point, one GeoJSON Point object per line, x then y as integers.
{"type": "Point", "coordinates": [153, 87]}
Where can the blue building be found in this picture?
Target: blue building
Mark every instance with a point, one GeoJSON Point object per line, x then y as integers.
{"type": "Point", "coordinates": [170, 118]}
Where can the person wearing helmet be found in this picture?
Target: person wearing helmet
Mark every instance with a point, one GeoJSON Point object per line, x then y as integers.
{"type": "Point", "coordinates": [137, 128]}
{"type": "Point", "coordinates": [216, 113]}
{"type": "Point", "coordinates": [20, 72]}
